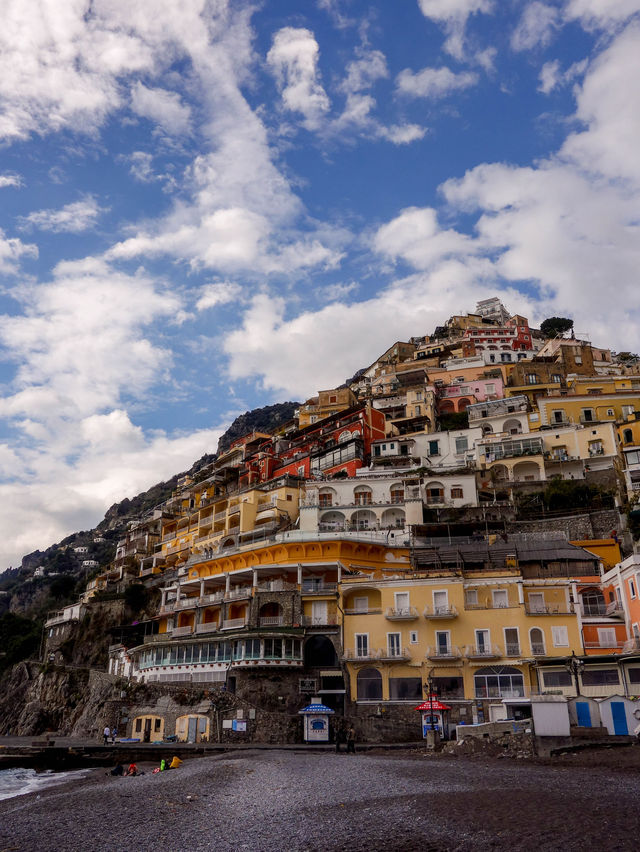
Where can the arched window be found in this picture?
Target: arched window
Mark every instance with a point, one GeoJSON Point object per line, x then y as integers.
{"type": "Point", "coordinates": [627, 436]}
{"type": "Point", "coordinates": [499, 682]}
{"type": "Point", "coordinates": [536, 638]}
{"type": "Point", "coordinates": [319, 651]}
{"type": "Point", "coordinates": [397, 492]}
{"type": "Point", "coordinates": [435, 492]}
{"type": "Point", "coordinates": [369, 685]}
{"type": "Point", "coordinates": [593, 602]}
{"type": "Point", "coordinates": [362, 495]}
{"type": "Point", "coordinates": [487, 429]}
{"type": "Point", "coordinates": [344, 436]}
{"type": "Point", "coordinates": [325, 497]}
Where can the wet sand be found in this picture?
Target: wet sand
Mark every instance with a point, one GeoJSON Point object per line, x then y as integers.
{"type": "Point", "coordinates": [299, 801]}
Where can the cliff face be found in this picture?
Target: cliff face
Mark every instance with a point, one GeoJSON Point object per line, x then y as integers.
{"type": "Point", "coordinates": [265, 419]}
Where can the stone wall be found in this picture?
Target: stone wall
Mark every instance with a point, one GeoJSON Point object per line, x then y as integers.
{"type": "Point", "coordinates": [597, 524]}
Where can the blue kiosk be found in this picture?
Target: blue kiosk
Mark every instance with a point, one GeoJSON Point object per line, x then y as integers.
{"type": "Point", "coordinates": [316, 721]}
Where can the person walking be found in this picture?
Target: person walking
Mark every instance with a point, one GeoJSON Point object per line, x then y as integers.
{"type": "Point", "coordinates": [106, 734]}
{"type": "Point", "coordinates": [114, 734]}
{"type": "Point", "coordinates": [351, 740]}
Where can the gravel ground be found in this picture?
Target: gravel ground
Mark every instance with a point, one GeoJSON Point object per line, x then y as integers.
{"type": "Point", "coordinates": [274, 800]}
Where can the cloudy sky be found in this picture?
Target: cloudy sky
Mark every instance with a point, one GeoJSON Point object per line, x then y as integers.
{"type": "Point", "coordinates": [209, 205]}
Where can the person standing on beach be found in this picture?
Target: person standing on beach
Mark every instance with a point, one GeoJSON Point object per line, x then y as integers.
{"type": "Point", "coordinates": [351, 740]}
{"type": "Point", "coordinates": [105, 734]}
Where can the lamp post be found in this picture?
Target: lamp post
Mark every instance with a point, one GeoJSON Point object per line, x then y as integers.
{"type": "Point", "coordinates": [430, 688]}
{"type": "Point", "coordinates": [575, 666]}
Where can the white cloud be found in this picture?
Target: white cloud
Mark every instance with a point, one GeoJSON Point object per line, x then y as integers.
{"type": "Point", "coordinates": [536, 27]}
{"type": "Point", "coordinates": [72, 218]}
{"type": "Point", "coordinates": [293, 59]}
{"type": "Point", "coordinates": [552, 77]}
{"type": "Point", "coordinates": [609, 104]}
{"type": "Point", "coordinates": [605, 14]}
{"type": "Point", "coordinates": [415, 236]}
{"type": "Point", "coordinates": [402, 134]}
{"type": "Point", "coordinates": [79, 344]}
{"type": "Point", "coordinates": [453, 15]}
{"type": "Point", "coordinates": [434, 83]}
{"type": "Point", "coordinates": [161, 106]}
{"type": "Point", "coordinates": [9, 179]}
{"type": "Point", "coordinates": [11, 250]}
{"type": "Point", "coordinates": [363, 72]}
{"type": "Point", "coordinates": [220, 293]}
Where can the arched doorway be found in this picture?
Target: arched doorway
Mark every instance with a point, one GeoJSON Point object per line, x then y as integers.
{"type": "Point", "coordinates": [499, 682]}
{"type": "Point", "coordinates": [320, 651]}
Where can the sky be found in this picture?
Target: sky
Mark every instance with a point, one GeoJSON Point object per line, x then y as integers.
{"type": "Point", "coordinates": [212, 205]}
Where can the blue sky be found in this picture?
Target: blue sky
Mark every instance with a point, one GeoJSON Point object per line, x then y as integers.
{"type": "Point", "coordinates": [212, 205]}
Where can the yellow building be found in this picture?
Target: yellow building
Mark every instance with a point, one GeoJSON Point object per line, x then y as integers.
{"type": "Point", "coordinates": [478, 634]}
{"type": "Point", "coordinates": [586, 409]}
{"type": "Point", "coordinates": [327, 402]}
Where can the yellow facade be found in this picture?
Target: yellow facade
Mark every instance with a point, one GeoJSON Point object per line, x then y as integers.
{"type": "Point", "coordinates": [414, 627]}
{"type": "Point", "coordinates": [327, 402]}
{"type": "Point", "coordinates": [586, 409]}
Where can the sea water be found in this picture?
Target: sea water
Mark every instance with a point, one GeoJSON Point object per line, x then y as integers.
{"type": "Point", "coordinates": [20, 781]}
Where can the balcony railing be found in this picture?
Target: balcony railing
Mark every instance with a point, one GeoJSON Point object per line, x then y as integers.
{"type": "Point", "coordinates": [483, 652]}
{"type": "Point", "coordinates": [550, 609]}
{"type": "Point", "coordinates": [407, 613]}
{"type": "Point", "coordinates": [593, 609]}
{"type": "Point", "coordinates": [370, 611]}
{"type": "Point", "coordinates": [182, 631]}
{"type": "Point", "coordinates": [355, 655]}
{"type": "Point", "coordinates": [512, 649]}
{"type": "Point", "coordinates": [450, 652]}
{"type": "Point", "coordinates": [207, 627]}
{"type": "Point", "coordinates": [538, 649]}
{"type": "Point", "coordinates": [205, 600]}
{"type": "Point", "coordinates": [501, 692]}
{"type": "Point", "coordinates": [395, 654]}
{"type": "Point", "coordinates": [490, 605]}
{"type": "Point", "coordinates": [319, 620]}
{"type": "Point", "coordinates": [234, 594]}
{"type": "Point", "coordinates": [617, 644]}
{"type": "Point", "coordinates": [631, 646]}
{"type": "Point", "coordinates": [447, 611]}
{"type": "Point", "coordinates": [233, 623]}
{"type": "Point", "coordinates": [271, 621]}
{"type": "Point", "coordinates": [318, 589]}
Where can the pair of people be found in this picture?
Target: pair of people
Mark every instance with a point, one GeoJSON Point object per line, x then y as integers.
{"type": "Point", "coordinates": [118, 770]}
{"type": "Point", "coordinates": [109, 733]}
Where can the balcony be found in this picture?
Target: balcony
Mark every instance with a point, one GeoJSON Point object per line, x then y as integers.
{"type": "Point", "coordinates": [442, 653]}
{"type": "Point", "coordinates": [371, 611]}
{"type": "Point", "coordinates": [235, 594]}
{"type": "Point", "coordinates": [182, 631]}
{"type": "Point", "coordinates": [208, 627]}
{"type": "Point", "coordinates": [512, 649]}
{"type": "Point", "coordinates": [538, 650]}
{"type": "Point", "coordinates": [501, 692]}
{"type": "Point", "coordinates": [206, 600]}
{"type": "Point", "coordinates": [276, 586]}
{"type": "Point", "coordinates": [408, 613]}
{"type": "Point", "coordinates": [400, 654]}
{"type": "Point", "coordinates": [234, 623]}
{"type": "Point", "coordinates": [311, 588]}
{"type": "Point", "coordinates": [550, 609]}
{"type": "Point", "coordinates": [631, 646]}
{"type": "Point", "coordinates": [319, 620]}
{"type": "Point", "coordinates": [271, 621]}
{"type": "Point", "coordinates": [443, 612]}
{"type": "Point", "coordinates": [357, 656]}
{"type": "Point", "coordinates": [482, 652]}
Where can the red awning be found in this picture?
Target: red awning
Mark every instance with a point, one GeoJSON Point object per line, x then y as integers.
{"type": "Point", "coordinates": [432, 703]}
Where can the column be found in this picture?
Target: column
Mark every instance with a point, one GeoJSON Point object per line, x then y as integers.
{"type": "Point", "coordinates": [299, 574]}
{"type": "Point", "coordinates": [227, 583]}
{"type": "Point", "coordinates": [254, 578]}
{"type": "Point", "coordinates": [202, 588]}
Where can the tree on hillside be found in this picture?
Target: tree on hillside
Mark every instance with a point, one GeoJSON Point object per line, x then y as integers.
{"type": "Point", "coordinates": [553, 326]}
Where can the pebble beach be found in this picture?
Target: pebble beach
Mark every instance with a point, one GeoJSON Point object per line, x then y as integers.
{"type": "Point", "coordinates": [273, 800]}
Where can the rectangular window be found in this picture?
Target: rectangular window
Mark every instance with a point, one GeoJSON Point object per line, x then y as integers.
{"type": "Point", "coordinates": [600, 677]}
{"type": "Point", "coordinates": [511, 641]}
{"type": "Point", "coordinates": [462, 445]}
{"type": "Point", "coordinates": [440, 602]}
{"type": "Point", "coordinates": [560, 636]}
{"type": "Point", "coordinates": [393, 644]}
{"type": "Point", "coordinates": [500, 598]}
{"type": "Point", "coordinates": [632, 589]}
{"type": "Point", "coordinates": [405, 688]}
{"type": "Point", "coordinates": [413, 637]}
{"type": "Point", "coordinates": [471, 597]}
{"type": "Point", "coordinates": [402, 601]}
{"type": "Point", "coordinates": [434, 448]}
{"type": "Point", "coordinates": [587, 415]}
{"type": "Point", "coordinates": [607, 637]}
{"type": "Point", "coordinates": [362, 644]}
{"type": "Point", "coordinates": [456, 492]}
{"type": "Point", "coordinates": [361, 604]}
{"type": "Point", "coordinates": [483, 643]}
{"type": "Point", "coordinates": [536, 602]}
{"type": "Point", "coordinates": [633, 675]}
{"type": "Point", "coordinates": [559, 678]}
{"type": "Point", "coordinates": [443, 643]}
{"type": "Point", "coordinates": [376, 450]}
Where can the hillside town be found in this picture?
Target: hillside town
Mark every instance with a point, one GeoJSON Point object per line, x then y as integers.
{"type": "Point", "coordinates": [454, 524]}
